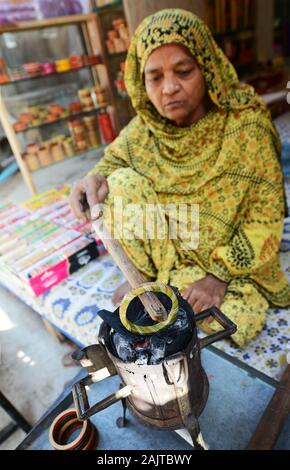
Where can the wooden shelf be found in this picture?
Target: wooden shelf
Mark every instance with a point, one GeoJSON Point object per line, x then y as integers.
{"type": "Point", "coordinates": [77, 154]}
{"type": "Point", "coordinates": [65, 118]}
{"type": "Point", "coordinates": [89, 31]}
{"type": "Point", "coordinates": [109, 7]}
{"type": "Point", "coordinates": [47, 23]}
{"type": "Point", "coordinates": [12, 82]}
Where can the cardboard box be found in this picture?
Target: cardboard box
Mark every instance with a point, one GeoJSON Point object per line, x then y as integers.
{"type": "Point", "coordinates": [48, 272]}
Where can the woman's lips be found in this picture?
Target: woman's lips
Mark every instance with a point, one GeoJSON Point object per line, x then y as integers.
{"type": "Point", "coordinates": [174, 104]}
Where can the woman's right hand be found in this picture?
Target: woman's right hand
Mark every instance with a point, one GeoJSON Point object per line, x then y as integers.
{"type": "Point", "coordinates": [92, 189]}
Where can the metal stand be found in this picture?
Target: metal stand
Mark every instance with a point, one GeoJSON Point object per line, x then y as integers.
{"type": "Point", "coordinates": [196, 437]}
{"type": "Point", "coordinates": [19, 420]}
{"type": "Point", "coordinates": [122, 421]}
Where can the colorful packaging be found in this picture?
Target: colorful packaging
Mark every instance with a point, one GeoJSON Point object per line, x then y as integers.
{"type": "Point", "coordinates": [41, 242]}
{"type": "Point", "coordinates": [106, 128]}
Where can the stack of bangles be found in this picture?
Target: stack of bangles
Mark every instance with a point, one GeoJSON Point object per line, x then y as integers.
{"type": "Point", "coordinates": [65, 424]}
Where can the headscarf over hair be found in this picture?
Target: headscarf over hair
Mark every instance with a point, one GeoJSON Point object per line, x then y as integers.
{"type": "Point", "coordinates": [182, 27]}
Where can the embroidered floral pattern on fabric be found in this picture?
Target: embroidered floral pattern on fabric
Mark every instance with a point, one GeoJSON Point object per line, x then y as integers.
{"type": "Point", "coordinates": [241, 252]}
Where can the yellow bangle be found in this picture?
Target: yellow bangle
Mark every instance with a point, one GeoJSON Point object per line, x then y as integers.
{"type": "Point", "coordinates": [149, 287]}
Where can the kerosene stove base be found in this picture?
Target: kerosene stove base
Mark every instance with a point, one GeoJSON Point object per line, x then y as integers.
{"type": "Point", "coordinates": [168, 392]}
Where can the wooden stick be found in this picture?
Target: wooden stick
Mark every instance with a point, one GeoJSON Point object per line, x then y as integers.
{"type": "Point", "coordinates": [151, 303]}
{"type": "Point", "coordinates": [274, 417]}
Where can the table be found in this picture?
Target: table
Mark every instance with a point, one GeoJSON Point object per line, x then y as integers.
{"type": "Point", "coordinates": [238, 396]}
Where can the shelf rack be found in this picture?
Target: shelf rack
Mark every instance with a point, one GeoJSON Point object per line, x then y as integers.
{"type": "Point", "coordinates": [65, 118]}
{"type": "Point", "coordinates": [90, 32]}
{"type": "Point", "coordinates": [106, 15]}
{"type": "Point", "coordinates": [25, 79]}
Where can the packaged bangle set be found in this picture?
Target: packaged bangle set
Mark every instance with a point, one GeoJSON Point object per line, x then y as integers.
{"type": "Point", "coordinates": [42, 242]}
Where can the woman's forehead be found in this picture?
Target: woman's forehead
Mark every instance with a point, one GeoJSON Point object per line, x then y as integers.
{"type": "Point", "coordinates": [173, 53]}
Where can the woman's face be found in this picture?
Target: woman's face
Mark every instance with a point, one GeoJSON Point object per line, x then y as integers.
{"type": "Point", "coordinates": [175, 84]}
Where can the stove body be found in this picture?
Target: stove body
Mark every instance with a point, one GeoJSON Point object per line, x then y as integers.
{"type": "Point", "coordinates": [169, 395]}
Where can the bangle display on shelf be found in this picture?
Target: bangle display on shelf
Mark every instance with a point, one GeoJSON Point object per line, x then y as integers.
{"type": "Point", "coordinates": [118, 38]}
{"type": "Point", "coordinates": [100, 95]}
{"type": "Point", "coordinates": [85, 134]}
{"type": "Point", "coordinates": [91, 119]}
{"type": "Point", "coordinates": [34, 163]}
{"type": "Point", "coordinates": [91, 99]}
{"type": "Point", "coordinates": [44, 69]}
{"type": "Point", "coordinates": [46, 153]}
{"type": "Point", "coordinates": [20, 127]}
{"type": "Point", "coordinates": [106, 128]}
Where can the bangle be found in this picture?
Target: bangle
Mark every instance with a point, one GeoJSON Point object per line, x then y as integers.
{"type": "Point", "coordinates": [149, 287]}
{"type": "Point", "coordinates": [65, 424]}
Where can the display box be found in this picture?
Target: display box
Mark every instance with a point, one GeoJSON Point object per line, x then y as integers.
{"type": "Point", "coordinates": [11, 214]}
{"type": "Point", "coordinates": [39, 277]}
{"type": "Point", "coordinates": [45, 199]}
{"type": "Point", "coordinates": [57, 273]}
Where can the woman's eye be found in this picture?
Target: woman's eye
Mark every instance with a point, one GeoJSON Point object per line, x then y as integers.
{"type": "Point", "coordinates": [155, 79]}
{"type": "Point", "coordinates": [184, 73]}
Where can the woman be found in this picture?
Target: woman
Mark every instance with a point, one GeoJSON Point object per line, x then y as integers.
{"type": "Point", "coordinates": [199, 137]}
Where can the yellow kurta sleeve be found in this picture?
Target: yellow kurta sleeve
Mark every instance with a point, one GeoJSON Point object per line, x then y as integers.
{"type": "Point", "coordinates": [254, 247]}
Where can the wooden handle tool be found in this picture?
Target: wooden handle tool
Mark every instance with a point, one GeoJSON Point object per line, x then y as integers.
{"type": "Point", "coordinates": [151, 303]}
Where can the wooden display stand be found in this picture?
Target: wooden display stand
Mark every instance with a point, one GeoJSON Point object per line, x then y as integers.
{"type": "Point", "coordinates": [93, 43]}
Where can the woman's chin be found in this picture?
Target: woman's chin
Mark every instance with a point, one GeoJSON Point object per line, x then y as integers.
{"type": "Point", "coordinates": [177, 117]}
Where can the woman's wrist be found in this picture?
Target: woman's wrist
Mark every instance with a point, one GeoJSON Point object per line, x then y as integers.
{"type": "Point", "coordinates": [213, 277]}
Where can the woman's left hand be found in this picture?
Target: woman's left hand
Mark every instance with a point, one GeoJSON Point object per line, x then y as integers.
{"type": "Point", "coordinates": [208, 292]}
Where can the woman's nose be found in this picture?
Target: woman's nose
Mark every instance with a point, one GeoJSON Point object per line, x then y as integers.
{"type": "Point", "coordinates": [170, 87]}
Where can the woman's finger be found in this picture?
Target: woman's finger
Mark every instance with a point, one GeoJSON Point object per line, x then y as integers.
{"type": "Point", "coordinates": [201, 302]}
{"type": "Point", "coordinates": [194, 299]}
{"type": "Point", "coordinates": [198, 307]}
{"type": "Point", "coordinates": [206, 307]}
{"type": "Point", "coordinates": [75, 202]}
{"type": "Point", "coordinates": [93, 185]}
{"type": "Point", "coordinates": [217, 301]}
{"type": "Point", "coordinates": [103, 191]}
{"type": "Point", "coordinates": [186, 292]}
